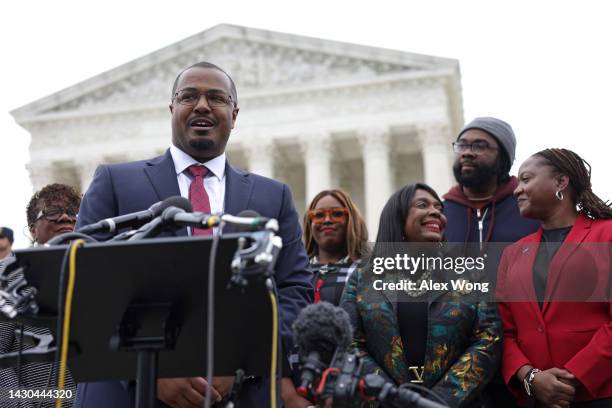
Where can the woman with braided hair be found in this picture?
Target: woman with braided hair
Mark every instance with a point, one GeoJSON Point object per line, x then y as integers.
{"type": "Point", "coordinates": [554, 288]}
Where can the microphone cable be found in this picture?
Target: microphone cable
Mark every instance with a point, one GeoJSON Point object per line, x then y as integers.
{"type": "Point", "coordinates": [60, 314]}
{"type": "Point", "coordinates": [19, 363]}
{"type": "Point", "coordinates": [274, 359]}
{"type": "Point", "coordinates": [64, 312]}
{"type": "Point", "coordinates": [422, 390]}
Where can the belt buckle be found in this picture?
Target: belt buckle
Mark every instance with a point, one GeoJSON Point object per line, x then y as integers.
{"type": "Point", "coordinates": [417, 373]}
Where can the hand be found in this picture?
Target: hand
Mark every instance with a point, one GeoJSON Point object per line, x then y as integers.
{"type": "Point", "coordinates": [290, 397]}
{"type": "Point", "coordinates": [549, 390]}
{"type": "Point", "coordinates": [185, 392]}
{"type": "Point", "coordinates": [569, 379]}
{"type": "Point", "coordinates": [223, 385]}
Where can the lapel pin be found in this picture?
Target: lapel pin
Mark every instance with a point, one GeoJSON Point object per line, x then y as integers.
{"type": "Point", "coordinates": [525, 250]}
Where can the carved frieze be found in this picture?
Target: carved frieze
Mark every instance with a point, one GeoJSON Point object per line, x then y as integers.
{"type": "Point", "coordinates": [252, 65]}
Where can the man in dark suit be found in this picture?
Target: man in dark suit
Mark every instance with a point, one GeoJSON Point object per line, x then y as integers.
{"type": "Point", "coordinates": [204, 110]}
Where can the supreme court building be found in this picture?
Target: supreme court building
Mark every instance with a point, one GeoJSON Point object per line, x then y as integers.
{"type": "Point", "coordinates": [315, 114]}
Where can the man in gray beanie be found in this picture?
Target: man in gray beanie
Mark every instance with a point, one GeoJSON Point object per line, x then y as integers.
{"type": "Point", "coordinates": [481, 208]}
{"type": "Point", "coordinates": [500, 131]}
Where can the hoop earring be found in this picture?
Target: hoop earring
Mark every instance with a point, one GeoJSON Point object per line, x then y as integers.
{"type": "Point", "coordinates": [559, 195]}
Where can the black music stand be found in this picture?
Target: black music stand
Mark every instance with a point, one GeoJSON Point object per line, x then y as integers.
{"type": "Point", "coordinates": [139, 310]}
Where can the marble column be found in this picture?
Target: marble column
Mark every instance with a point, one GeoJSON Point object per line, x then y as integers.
{"type": "Point", "coordinates": [375, 145]}
{"type": "Point", "coordinates": [260, 156]}
{"type": "Point", "coordinates": [316, 149]}
{"type": "Point", "coordinates": [437, 156]}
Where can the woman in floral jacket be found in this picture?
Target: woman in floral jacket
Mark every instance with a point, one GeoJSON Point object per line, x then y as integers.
{"type": "Point", "coordinates": [435, 338]}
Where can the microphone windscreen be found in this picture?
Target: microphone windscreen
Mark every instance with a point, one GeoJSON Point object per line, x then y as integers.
{"type": "Point", "coordinates": [322, 327]}
{"type": "Point", "coordinates": [246, 214]}
{"type": "Point", "coordinates": [174, 201]}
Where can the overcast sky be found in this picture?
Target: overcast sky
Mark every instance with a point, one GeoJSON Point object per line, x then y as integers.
{"type": "Point", "coordinates": [540, 65]}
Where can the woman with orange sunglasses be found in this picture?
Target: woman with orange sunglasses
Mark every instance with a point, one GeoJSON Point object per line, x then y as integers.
{"type": "Point", "coordinates": [336, 239]}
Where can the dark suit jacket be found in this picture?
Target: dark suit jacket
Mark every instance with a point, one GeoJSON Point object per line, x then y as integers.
{"type": "Point", "coordinates": [573, 329]}
{"type": "Point", "coordinates": [128, 187]}
{"type": "Point", "coordinates": [463, 347]}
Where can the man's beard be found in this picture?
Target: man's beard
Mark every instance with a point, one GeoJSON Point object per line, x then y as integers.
{"type": "Point", "coordinates": [202, 144]}
{"type": "Point", "coordinates": [480, 174]}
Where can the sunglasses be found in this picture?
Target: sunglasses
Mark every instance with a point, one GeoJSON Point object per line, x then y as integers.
{"type": "Point", "coordinates": [335, 214]}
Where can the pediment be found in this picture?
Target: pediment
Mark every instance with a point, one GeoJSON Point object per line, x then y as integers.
{"type": "Point", "coordinates": [256, 59]}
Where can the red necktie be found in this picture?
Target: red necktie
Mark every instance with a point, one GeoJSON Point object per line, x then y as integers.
{"type": "Point", "coordinates": [198, 196]}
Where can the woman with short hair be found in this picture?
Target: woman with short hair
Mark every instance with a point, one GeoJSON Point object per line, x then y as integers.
{"type": "Point", "coordinates": [51, 211]}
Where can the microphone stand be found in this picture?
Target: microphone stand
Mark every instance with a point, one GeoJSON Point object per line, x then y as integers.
{"type": "Point", "coordinates": [258, 260]}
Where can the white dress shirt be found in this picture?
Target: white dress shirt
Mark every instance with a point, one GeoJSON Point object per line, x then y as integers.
{"type": "Point", "coordinates": [214, 182]}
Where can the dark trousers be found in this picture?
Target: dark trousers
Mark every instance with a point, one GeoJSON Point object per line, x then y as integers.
{"type": "Point", "coordinates": [497, 395]}
{"type": "Point", "coordinates": [599, 403]}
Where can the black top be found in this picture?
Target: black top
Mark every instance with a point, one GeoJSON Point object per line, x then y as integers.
{"type": "Point", "coordinates": [412, 315]}
{"type": "Point", "coordinates": [412, 320]}
{"type": "Point", "coordinates": [549, 245]}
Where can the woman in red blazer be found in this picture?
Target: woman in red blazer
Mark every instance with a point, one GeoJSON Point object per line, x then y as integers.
{"type": "Point", "coordinates": [554, 288]}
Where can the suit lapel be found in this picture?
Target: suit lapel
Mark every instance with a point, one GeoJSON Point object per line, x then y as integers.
{"type": "Point", "coordinates": [523, 266]}
{"type": "Point", "coordinates": [576, 235]}
{"type": "Point", "coordinates": [162, 176]}
{"type": "Point", "coordinates": [390, 348]}
{"type": "Point", "coordinates": [434, 364]}
{"type": "Point", "coordinates": [238, 186]}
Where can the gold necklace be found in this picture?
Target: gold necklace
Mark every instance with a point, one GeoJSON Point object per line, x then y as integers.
{"type": "Point", "coordinates": [418, 292]}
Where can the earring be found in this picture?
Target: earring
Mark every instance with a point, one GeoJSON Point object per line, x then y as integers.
{"type": "Point", "coordinates": [559, 195]}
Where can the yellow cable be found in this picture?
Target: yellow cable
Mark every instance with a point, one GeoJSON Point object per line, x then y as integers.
{"type": "Point", "coordinates": [67, 313]}
{"type": "Point", "coordinates": [274, 350]}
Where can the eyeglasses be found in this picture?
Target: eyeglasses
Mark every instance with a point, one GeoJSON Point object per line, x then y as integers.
{"type": "Point", "coordinates": [55, 213]}
{"type": "Point", "coordinates": [477, 147]}
{"type": "Point", "coordinates": [335, 214]}
{"type": "Point", "coordinates": [191, 97]}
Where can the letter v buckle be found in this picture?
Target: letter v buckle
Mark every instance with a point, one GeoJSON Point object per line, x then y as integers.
{"type": "Point", "coordinates": [417, 373]}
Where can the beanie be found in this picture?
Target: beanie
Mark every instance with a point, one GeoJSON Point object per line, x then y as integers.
{"type": "Point", "coordinates": [499, 130]}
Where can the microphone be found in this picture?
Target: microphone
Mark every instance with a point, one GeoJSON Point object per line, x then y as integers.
{"type": "Point", "coordinates": [374, 386]}
{"type": "Point", "coordinates": [154, 226]}
{"type": "Point", "coordinates": [135, 219]}
{"type": "Point", "coordinates": [323, 334]}
{"type": "Point", "coordinates": [319, 331]}
{"type": "Point", "coordinates": [245, 221]}
{"type": "Point", "coordinates": [189, 219]}
{"type": "Point", "coordinates": [249, 221]}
